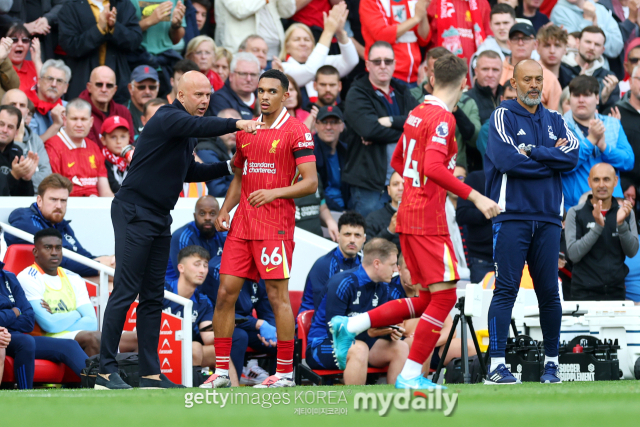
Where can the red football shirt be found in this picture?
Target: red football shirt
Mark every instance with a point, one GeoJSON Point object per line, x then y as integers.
{"type": "Point", "coordinates": [82, 165]}
{"type": "Point", "coordinates": [269, 160]}
{"type": "Point", "coordinates": [27, 75]}
{"type": "Point", "coordinates": [430, 126]}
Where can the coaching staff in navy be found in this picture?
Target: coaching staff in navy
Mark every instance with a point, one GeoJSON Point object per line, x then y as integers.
{"type": "Point", "coordinates": [140, 212]}
{"type": "Point", "coordinates": [528, 147]}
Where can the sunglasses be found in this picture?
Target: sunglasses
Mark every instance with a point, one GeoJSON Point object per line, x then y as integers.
{"type": "Point", "coordinates": [378, 62]}
{"type": "Point", "coordinates": [24, 40]}
{"type": "Point", "coordinates": [101, 84]}
{"type": "Point", "coordinates": [633, 60]}
{"type": "Point", "coordinates": [144, 87]}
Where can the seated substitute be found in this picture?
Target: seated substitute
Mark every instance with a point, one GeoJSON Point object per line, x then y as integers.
{"type": "Point", "coordinates": [351, 237]}
{"type": "Point", "coordinates": [350, 293]}
{"type": "Point", "coordinates": [48, 211]}
{"type": "Point", "coordinates": [59, 297]}
{"type": "Point", "coordinates": [17, 317]}
{"type": "Point", "coordinates": [193, 266]}
{"type": "Point", "coordinates": [600, 233]}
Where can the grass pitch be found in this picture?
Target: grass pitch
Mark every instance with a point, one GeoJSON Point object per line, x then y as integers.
{"type": "Point", "coordinates": [615, 403]}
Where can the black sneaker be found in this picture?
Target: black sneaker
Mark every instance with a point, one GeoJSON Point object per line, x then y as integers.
{"type": "Point", "coordinates": [163, 382]}
{"type": "Point", "coordinates": [113, 383]}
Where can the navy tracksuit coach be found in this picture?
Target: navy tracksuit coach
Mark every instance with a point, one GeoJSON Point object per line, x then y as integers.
{"type": "Point", "coordinates": [528, 190]}
{"type": "Point", "coordinates": [141, 218]}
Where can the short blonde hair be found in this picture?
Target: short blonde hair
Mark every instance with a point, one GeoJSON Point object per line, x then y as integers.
{"type": "Point", "coordinates": [197, 41]}
{"type": "Point", "coordinates": [223, 52]}
{"type": "Point", "coordinates": [287, 36]}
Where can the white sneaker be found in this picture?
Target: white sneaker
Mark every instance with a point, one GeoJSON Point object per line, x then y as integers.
{"type": "Point", "coordinates": [253, 374]}
{"type": "Point", "coordinates": [217, 381]}
{"type": "Point", "coordinates": [275, 382]}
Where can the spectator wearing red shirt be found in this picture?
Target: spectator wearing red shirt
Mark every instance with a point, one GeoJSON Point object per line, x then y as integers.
{"type": "Point", "coordinates": [461, 26]}
{"type": "Point", "coordinates": [100, 90]}
{"type": "Point", "coordinates": [27, 71]}
{"type": "Point", "coordinates": [310, 14]}
{"type": "Point", "coordinates": [77, 158]}
{"type": "Point", "coordinates": [400, 25]}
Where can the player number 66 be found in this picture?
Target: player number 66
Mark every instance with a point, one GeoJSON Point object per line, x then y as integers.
{"type": "Point", "coordinates": [274, 259]}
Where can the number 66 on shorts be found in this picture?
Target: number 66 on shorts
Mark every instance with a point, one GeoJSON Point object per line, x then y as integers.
{"type": "Point", "coordinates": [257, 259]}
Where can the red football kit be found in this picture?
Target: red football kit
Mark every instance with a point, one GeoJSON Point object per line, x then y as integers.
{"type": "Point", "coordinates": [82, 165]}
{"type": "Point", "coordinates": [426, 157]}
{"type": "Point", "coordinates": [260, 241]}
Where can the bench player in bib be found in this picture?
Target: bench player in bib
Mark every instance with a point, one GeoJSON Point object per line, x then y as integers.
{"type": "Point", "coordinates": [260, 241]}
{"type": "Point", "coordinates": [426, 157]}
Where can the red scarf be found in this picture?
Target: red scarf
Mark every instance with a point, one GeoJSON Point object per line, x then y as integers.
{"type": "Point", "coordinates": [215, 80]}
{"type": "Point", "coordinates": [448, 30]}
{"type": "Point", "coordinates": [114, 160]}
{"type": "Point", "coordinates": [42, 107]}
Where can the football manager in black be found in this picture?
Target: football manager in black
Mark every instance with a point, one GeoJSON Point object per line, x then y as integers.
{"type": "Point", "coordinates": [163, 160]}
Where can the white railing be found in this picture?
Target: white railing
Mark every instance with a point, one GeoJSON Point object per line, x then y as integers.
{"type": "Point", "coordinates": [103, 298]}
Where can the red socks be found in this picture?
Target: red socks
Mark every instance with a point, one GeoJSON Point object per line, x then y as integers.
{"type": "Point", "coordinates": [223, 350]}
{"type": "Point", "coordinates": [285, 357]}
{"type": "Point", "coordinates": [397, 311]}
{"type": "Point", "coordinates": [431, 322]}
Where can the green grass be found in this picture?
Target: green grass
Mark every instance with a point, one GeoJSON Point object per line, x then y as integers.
{"type": "Point", "coordinates": [614, 404]}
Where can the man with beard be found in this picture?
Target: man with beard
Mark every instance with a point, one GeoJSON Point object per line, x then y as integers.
{"type": "Point", "coordinates": [326, 87]}
{"type": "Point", "coordinates": [199, 232]}
{"type": "Point", "coordinates": [589, 61]}
{"type": "Point", "coordinates": [523, 167]}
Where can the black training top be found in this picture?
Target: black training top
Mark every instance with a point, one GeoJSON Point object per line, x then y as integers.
{"type": "Point", "coordinates": [163, 159]}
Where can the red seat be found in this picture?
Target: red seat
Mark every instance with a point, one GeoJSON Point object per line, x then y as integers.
{"type": "Point", "coordinates": [316, 375]}
{"type": "Point", "coordinates": [18, 257]}
{"type": "Point", "coordinates": [296, 299]}
{"type": "Point", "coordinates": [45, 372]}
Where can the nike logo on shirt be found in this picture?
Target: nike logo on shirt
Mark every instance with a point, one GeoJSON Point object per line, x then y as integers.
{"type": "Point", "coordinates": [71, 164]}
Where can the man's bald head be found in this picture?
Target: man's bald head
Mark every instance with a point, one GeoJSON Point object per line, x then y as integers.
{"type": "Point", "coordinates": [602, 180]}
{"type": "Point", "coordinates": [102, 87]}
{"type": "Point", "coordinates": [194, 92]}
{"type": "Point", "coordinates": [205, 214]}
{"type": "Point", "coordinates": [18, 99]}
{"type": "Point", "coordinates": [528, 66]}
{"type": "Point", "coordinates": [102, 72]}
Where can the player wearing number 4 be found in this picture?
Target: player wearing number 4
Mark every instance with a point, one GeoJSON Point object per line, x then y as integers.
{"type": "Point", "coordinates": [426, 156]}
{"type": "Point", "coordinates": [260, 242]}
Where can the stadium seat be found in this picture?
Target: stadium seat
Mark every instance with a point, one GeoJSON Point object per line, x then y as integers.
{"type": "Point", "coordinates": [296, 299]}
{"type": "Point", "coordinates": [316, 376]}
{"type": "Point", "coordinates": [18, 257]}
{"type": "Point", "coordinates": [46, 372]}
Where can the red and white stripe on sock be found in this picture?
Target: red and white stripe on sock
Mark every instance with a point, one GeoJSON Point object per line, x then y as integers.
{"type": "Point", "coordinates": [223, 353]}
{"type": "Point", "coordinates": [284, 359]}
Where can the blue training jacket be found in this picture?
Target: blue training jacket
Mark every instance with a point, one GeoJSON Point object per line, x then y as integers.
{"type": "Point", "coordinates": [348, 293]}
{"type": "Point", "coordinates": [12, 295]}
{"type": "Point", "coordinates": [188, 235]}
{"type": "Point", "coordinates": [618, 154]}
{"type": "Point", "coordinates": [323, 269]}
{"type": "Point", "coordinates": [528, 188]}
{"type": "Point", "coordinates": [31, 220]}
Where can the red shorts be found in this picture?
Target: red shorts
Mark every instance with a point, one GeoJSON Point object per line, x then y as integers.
{"type": "Point", "coordinates": [430, 259]}
{"type": "Point", "coordinates": [256, 259]}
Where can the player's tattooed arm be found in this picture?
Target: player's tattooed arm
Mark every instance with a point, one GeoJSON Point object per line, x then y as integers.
{"type": "Point", "coordinates": [231, 200]}
{"type": "Point", "coordinates": [308, 185]}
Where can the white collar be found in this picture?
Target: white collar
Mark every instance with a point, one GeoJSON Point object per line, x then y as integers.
{"type": "Point", "coordinates": [282, 118]}
{"type": "Point", "coordinates": [434, 100]}
{"type": "Point", "coordinates": [67, 141]}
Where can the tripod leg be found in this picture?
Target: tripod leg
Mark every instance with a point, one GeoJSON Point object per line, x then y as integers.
{"type": "Point", "coordinates": [476, 344]}
{"type": "Point", "coordinates": [436, 375]}
{"type": "Point", "coordinates": [466, 374]}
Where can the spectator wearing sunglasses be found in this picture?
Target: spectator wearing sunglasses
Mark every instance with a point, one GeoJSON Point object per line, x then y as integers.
{"type": "Point", "coordinates": [100, 32]}
{"type": "Point", "coordinates": [144, 87]}
{"type": "Point", "coordinates": [632, 56]}
{"type": "Point", "coordinates": [100, 90]}
{"type": "Point", "coordinates": [27, 71]}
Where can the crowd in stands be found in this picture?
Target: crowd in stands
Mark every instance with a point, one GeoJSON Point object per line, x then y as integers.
{"type": "Point", "coordinates": [80, 79]}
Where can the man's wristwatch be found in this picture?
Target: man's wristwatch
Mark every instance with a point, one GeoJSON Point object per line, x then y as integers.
{"type": "Point", "coordinates": [526, 149]}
